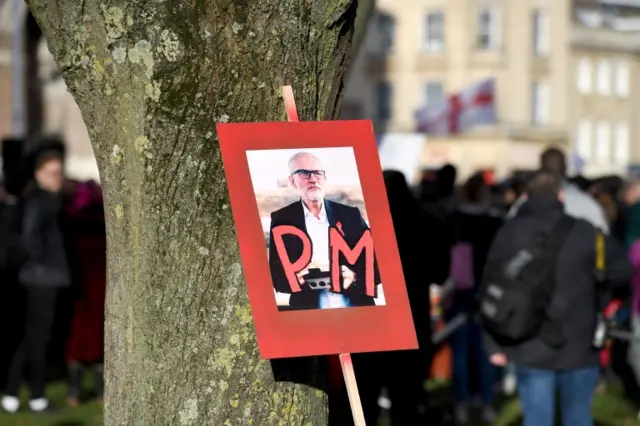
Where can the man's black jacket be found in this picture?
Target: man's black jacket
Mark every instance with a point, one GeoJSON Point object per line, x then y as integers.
{"type": "Point", "coordinates": [353, 226]}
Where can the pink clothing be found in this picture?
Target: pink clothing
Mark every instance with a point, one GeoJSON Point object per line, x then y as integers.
{"type": "Point", "coordinates": [634, 258]}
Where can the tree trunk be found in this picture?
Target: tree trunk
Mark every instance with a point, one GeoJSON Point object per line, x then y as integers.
{"type": "Point", "coordinates": [152, 78]}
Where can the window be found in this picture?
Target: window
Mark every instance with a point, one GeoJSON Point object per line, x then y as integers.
{"type": "Point", "coordinates": [584, 137]}
{"type": "Point", "coordinates": [433, 92]}
{"type": "Point", "coordinates": [383, 100]}
{"type": "Point", "coordinates": [603, 78]}
{"type": "Point", "coordinates": [584, 76]}
{"type": "Point", "coordinates": [622, 79]}
{"type": "Point", "coordinates": [540, 33]}
{"type": "Point", "coordinates": [621, 151]}
{"type": "Point", "coordinates": [603, 142]}
{"type": "Point", "coordinates": [434, 32]}
{"type": "Point", "coordinates": [539, 104]}
{"type": "Point", "coordinates": [489, 29]}
{"type": "Point", "coordinates": [386, 25]}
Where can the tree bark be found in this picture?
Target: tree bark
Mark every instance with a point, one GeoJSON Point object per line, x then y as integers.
{"type": "Point", "coordinates": [152, 78]}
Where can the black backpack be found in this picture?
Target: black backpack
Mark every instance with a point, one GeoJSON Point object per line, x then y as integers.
{"type": "Point", "coordinates": [516, 291]}
{"type": "Point", "coordinates": [12, 253]}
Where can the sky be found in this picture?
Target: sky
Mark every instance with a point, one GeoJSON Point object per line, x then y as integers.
{"type": "Point", "coordinates": [268, 166]}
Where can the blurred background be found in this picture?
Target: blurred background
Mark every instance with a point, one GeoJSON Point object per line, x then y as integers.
{"type": "Point", "coordinates": [563, 72]}
{"type": "Point", "coordinates": [34, 99]}
{"type": "Point", "coordinates": [484, 86]}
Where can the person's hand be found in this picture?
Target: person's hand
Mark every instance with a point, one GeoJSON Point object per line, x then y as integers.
{"type": "Point", "coordinates": [348, 277]}
{"type": "Point", "coordinates": [302, 274]}
{"type": "Point", "coordinates": [499, 360]}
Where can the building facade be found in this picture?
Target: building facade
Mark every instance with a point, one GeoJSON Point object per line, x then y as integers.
{"type": "Point", "coordinates": [560, 78]}
{"type": "Point", "coordinates": [49, 107]}
{"type": "Point", "coordinates": [567, 73]}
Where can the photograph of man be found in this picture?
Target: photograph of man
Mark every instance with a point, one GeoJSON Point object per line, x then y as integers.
{"type": "Point", "coordinates": [314, 214]}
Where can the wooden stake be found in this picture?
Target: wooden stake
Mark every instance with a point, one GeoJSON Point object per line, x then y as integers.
{"type": "Point", "coordinates": [352, 389]}
{"type": "Point", "coordinates": [290, 103]}
{"type": "Point", "coordinates": [345, 359]}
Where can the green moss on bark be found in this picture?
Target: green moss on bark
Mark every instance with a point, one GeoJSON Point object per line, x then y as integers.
{"type": "Point", "coordinates": [152, 78]}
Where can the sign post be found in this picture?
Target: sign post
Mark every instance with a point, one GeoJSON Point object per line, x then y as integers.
{"type": "Point", "coordinates": [352, 389]}
{"type": "Point", "coordinates": [345, 359]}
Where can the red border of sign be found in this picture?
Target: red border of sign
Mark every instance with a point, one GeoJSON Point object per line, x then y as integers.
{"type": "Point", "coordinates": [316, 332]}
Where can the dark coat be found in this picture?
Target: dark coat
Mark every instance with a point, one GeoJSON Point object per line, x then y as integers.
{"type": "Point", "coordinates": [476, 226]}
{"type": "Point", "coordinates": [573, 304]}
{"type": "Point", "coordinates": [42, 238]}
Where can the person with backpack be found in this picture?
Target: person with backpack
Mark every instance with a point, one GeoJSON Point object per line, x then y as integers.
{"type": "Point", "coordinates": [539, 303]}
{"type": "Point", "coordinates": [577, 203]}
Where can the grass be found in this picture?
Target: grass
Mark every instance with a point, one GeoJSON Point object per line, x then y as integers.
{"type": "Point", "coordinates": [88, 414]}
{"type": "Point", "coordinates": [610, 409]}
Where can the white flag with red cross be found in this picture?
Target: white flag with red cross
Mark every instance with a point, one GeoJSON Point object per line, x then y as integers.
{"type": "Point", "coordinates": [473, 106]}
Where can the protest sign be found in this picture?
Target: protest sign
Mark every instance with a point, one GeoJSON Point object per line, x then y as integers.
{"type": "Point", "coordinates": [316, 237]}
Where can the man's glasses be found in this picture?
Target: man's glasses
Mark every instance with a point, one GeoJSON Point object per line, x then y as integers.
{"type": "Point", "coordinates": [306, 174]}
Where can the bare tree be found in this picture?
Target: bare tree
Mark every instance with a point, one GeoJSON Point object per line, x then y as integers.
{"type": "Point", "coordinates": [152, 78]}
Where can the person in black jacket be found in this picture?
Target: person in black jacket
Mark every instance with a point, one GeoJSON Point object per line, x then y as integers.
{"type": "Point", "coordinates": [573, 367]}
{"type": "Point", "coordinates": [473, 224]}
{"type": "Point", "coordinates": [44, 273]}
{"type": "Point", "coordinates": [403, 373]}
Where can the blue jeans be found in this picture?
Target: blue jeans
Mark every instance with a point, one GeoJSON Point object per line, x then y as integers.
{"type": "Point", "coordinates": [467, 346]}
{"type": "Point", "coordinates": [537, 389]}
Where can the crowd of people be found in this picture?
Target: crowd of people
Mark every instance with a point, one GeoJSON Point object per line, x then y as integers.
{"type": "Point", "coordinates": [535, 262]}
{"type": "Point", "coordinates": [575, 244]}
{"type": "Point", "coordinates": [53, 274]}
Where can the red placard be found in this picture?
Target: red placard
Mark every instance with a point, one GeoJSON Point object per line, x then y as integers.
{"type": "Point", "coordinates": [338, 167]}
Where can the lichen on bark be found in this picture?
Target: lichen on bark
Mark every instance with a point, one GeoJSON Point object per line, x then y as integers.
{"type": "Point", "coordinates": [152, 78]}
